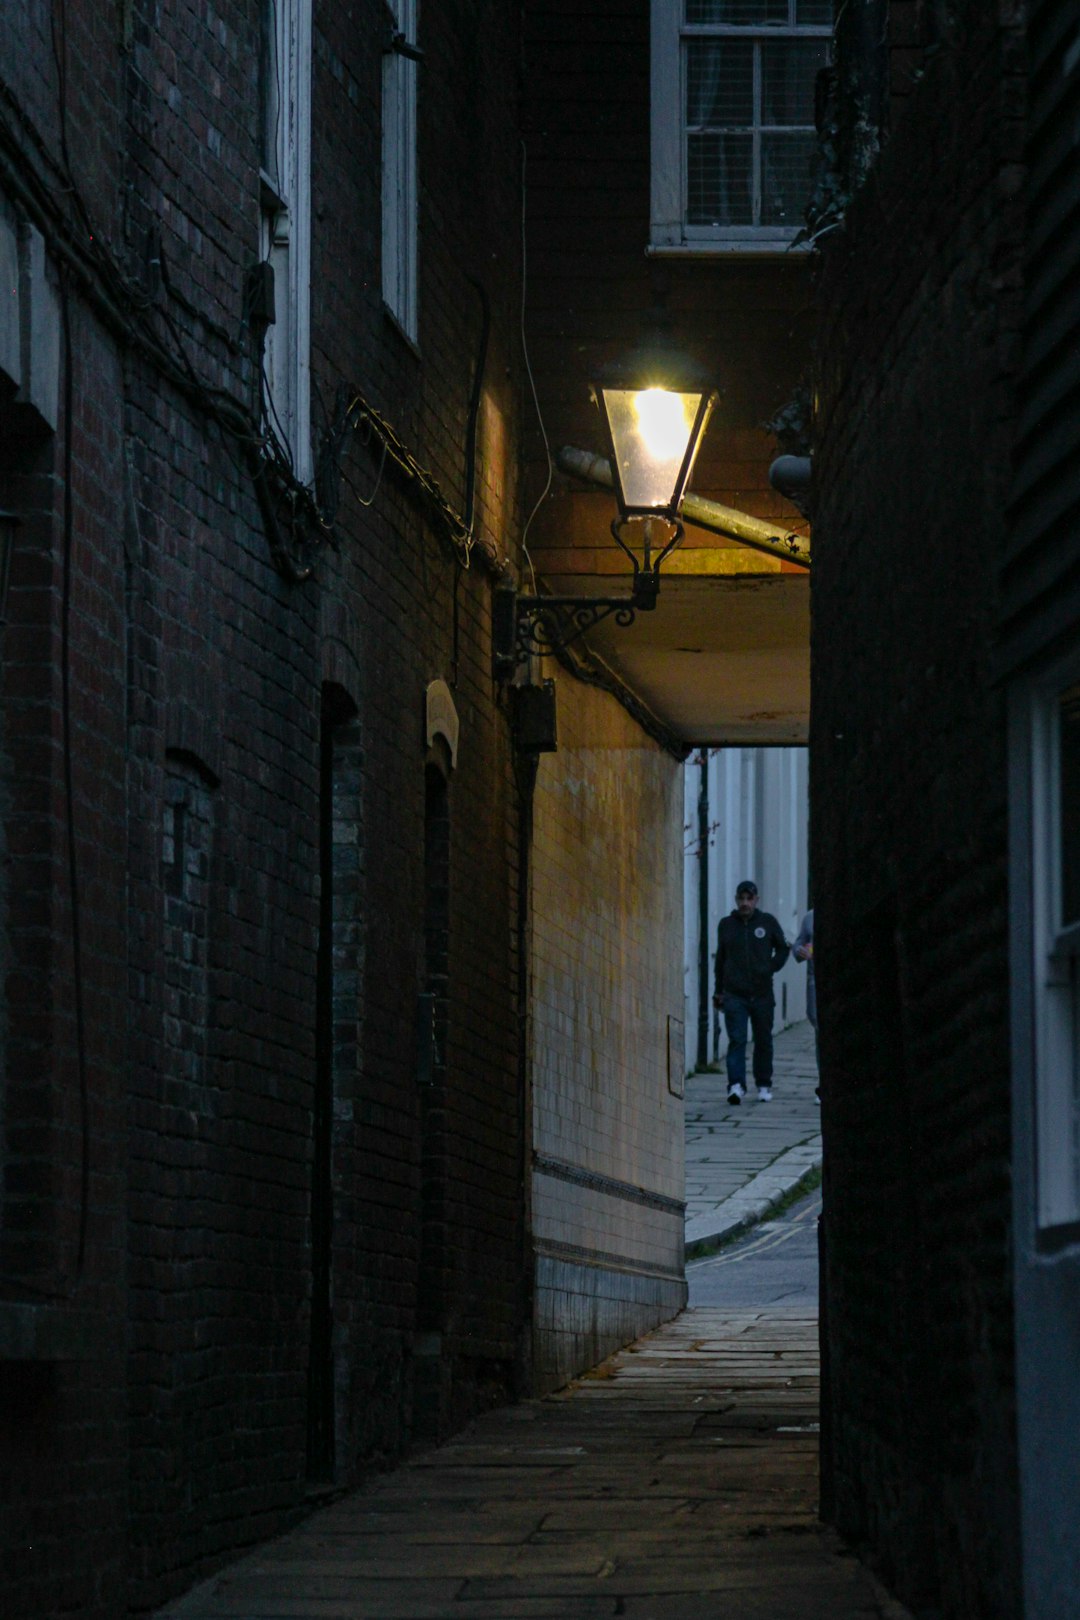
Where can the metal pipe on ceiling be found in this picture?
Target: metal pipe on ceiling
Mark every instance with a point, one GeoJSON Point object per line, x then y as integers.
{"type": "Point", "coordinates": [756, 533]}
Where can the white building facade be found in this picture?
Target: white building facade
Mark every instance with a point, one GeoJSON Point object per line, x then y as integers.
{"type": "Point", "coordinates": [745, 817]}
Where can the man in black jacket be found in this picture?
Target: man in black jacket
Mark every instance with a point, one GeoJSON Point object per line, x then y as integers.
{"type": "Point", "coordinates": [750, 948]}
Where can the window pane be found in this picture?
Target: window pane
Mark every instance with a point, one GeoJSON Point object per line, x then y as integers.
{"type": "Point", "coordinates": [786, 176]}
{"type": "Point", "coordinates": [1069, 744]}
{"type": "Point", "coordinates": [269, 93]}
{"type": "Point", "coordinates": [720, 82]}
{"type": "Point", "coordinates": [813, 13]}
{"type": "Point", "coordinates": [719, 191]}
{"type": "Point", "coordinates": [789, 68]}
{"type": "Point", "coordinates": [746, 12]}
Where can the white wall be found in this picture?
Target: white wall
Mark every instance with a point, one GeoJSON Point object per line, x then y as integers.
{"type": "Point", "coordinates": [606, 991]}
{"type": "Point", "coordinates": [757, 828]}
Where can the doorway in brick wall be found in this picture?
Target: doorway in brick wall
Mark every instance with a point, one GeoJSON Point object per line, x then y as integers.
{"type": "Point", "coordinates": [335, 1042]}
{"type": "Point", "coordinates": [429, 1368]}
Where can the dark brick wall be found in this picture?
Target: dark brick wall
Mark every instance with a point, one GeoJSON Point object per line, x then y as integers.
{"type": "Point", "coordinates": [917, 359]}
{"type": "Point", "coordinates": [197, 674]}
{"type": "Point", "coordinates": [409, 618]}
{"type": "Point", "coordinates": [61, 1253]}
{"type": "Point", "coordinates": [1040, 580]}
{"type": "Point", "coordinates": [62, 1415]}
{"type": "Point", "coordinates": [1040, 615]}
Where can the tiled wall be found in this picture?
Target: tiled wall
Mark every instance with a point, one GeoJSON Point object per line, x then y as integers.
{"type": "Point", "coordinates": [606, 978]}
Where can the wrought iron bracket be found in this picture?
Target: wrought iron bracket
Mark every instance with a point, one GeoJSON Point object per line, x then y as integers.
{"type": "Point", "coordinates": [527, 626]}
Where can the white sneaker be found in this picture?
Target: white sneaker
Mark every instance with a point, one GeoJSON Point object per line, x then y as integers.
{"type": "Point", "coordinates": [735, 1095]}
{"type": "Point", "coordinates": [764, 1093]}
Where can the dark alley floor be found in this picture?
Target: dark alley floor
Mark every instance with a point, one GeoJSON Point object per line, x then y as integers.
{"type": "Point", "coordinates": [678, 1481]}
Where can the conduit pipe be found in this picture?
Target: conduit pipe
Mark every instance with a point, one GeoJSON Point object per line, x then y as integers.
{"type": "Point", "coordinates": [703, 514]}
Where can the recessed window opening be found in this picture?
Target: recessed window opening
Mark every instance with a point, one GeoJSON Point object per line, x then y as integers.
{"type": "Point", "coordinates": [432, 1062]}
{"type": "Point", "coordinates": [437, 995]}
{"type": "Point", "coordinates": [336, 1035]}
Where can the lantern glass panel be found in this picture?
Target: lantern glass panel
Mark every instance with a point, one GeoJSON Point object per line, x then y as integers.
{"type": "Point", "coordinates": [651, 429]}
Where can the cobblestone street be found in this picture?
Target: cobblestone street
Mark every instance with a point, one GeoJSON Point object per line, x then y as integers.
{"type": "Point", "coordinates": [678, 1481]}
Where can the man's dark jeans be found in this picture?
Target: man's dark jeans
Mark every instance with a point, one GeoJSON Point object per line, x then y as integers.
{"type": "Point", "coordinates": [757, 1011]}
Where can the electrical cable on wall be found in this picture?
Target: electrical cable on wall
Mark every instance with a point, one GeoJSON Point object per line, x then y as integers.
{"type": "Point", "coordinates": [532, 384]}
{"type": "Point", "coordinates": [127, 312]}
{"type": "Point", "coordinates": [588, 669]}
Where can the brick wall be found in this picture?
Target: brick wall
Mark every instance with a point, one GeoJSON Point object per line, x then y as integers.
{"type": "Point", "coordinates": [606, 983]}
{"type": "Point", "coordinates": [61, 1299]}
{"type": "Point", "coordinates": [916, 370]}
{"type": "Point", "coordinates": [183, 1428]}
{"type": "Point", "coordinates": [62, 1431]}
{"type": "Point", "coordinates": [224, 717]}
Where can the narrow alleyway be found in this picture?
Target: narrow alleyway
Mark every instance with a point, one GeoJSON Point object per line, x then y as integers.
{"type": "Point", "coordinates": [676, 1482]}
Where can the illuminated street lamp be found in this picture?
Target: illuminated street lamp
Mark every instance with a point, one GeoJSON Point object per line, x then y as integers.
{"type": "Point", "coordinates": [655, 407]}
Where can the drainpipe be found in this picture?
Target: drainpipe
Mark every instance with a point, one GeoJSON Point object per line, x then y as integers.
{"type": "Point", "coordinates": [704, 997]}
{"type": "Point", "coordinates": [703, 514]}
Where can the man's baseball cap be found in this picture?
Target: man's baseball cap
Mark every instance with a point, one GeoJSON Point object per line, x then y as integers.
{"type": "Point", "coordinates": [746, 887]}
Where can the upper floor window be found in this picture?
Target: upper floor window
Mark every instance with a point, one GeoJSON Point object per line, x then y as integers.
{"type": "Point", "coordinates": [399, 168]}
{"type": "Point", "coordinates": [733, 135]}
{"type": "Point", "coordinates": [285, 118]}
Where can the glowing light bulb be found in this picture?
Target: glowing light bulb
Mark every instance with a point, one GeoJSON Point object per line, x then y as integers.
{"type": "Point", "coordinates": [664, 427]}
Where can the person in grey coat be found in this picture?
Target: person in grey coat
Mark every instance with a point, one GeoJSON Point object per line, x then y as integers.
{"type": "Point", "coordinates": [803, 951]}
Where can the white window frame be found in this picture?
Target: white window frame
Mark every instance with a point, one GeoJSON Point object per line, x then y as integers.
{"type": "Point", "coordinates": [669, 232]}
{"type": "Point", "coordinates": [1055, 967]}
{"type": "Point", "coordinates": [285, 232]}
{"type": "Point", "coordinates": [399, 178]}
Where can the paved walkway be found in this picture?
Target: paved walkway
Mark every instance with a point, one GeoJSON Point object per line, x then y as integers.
{"type": "Point", "coordinates": [741, 1161]}
{"type": "Point", "coordinates": [678, 1481]}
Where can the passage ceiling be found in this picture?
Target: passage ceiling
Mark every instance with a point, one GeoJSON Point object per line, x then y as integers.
{"type": "Point", "coordinates": [725, 657]}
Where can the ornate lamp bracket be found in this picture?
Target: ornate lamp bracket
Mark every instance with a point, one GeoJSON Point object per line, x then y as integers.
{"type": "Point", "coordinates": [529, 626]}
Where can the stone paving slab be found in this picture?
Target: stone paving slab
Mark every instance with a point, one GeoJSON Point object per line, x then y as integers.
{"type": "Point", "coordinates": [741, 1162]}
{"type": "Point", "coordinates": [688, 1490]}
